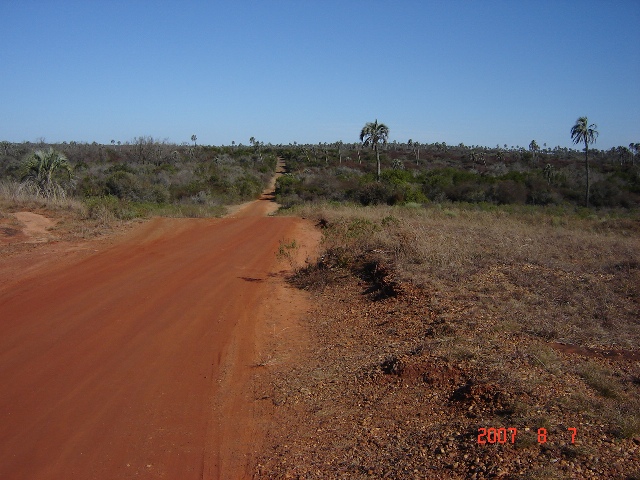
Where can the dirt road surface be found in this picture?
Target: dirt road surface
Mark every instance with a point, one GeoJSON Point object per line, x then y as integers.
{"type": "Point", "coordinates": [134, 358]}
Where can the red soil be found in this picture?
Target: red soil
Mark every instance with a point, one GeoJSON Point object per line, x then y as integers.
{"type": "Point", "coordinates": [136, 358]}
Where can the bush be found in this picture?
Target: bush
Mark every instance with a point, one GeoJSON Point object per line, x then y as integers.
{"type": "Point", "coordinates": [123, 185]}
{"type": "Point", "coordinates": [287, 184]}
{"type": "Point", "coordinates": [396, 177]}
{"type": "Point", "coordinates": [509, 191]}
{"type": "Point", "coordinates": [374, 193]}
{"type": "Point", "coordinates": [539, 192]}
{"type": "Point", "coordinates": [90, 186]}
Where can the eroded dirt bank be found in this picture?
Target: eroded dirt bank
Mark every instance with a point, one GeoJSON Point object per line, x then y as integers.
{"type": "Point", "coordinates": [136, 357]}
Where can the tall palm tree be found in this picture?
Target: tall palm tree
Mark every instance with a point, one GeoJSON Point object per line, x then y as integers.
{"type": "Point", "coordinates": [193, 139]}
{"type": "Point", "coordinates": [39, 170]}
{"type": "Point", "coordinates": [583, 132]}
{"type": "Point", "coordinates": [372, 134]}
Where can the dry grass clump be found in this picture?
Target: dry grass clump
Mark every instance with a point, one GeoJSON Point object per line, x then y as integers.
{"type": "Point", "coordinates": [14, 196]}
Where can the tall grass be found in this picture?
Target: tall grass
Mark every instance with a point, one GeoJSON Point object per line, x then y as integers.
{"type": "Point", "coordinates": [16, 195]}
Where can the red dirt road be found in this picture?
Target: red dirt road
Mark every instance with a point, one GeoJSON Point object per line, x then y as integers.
{"type": "Point", "coordinates": [135, 360]}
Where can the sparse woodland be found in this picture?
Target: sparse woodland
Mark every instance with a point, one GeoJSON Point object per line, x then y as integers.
{"type": "Point", "coordinates": [436, 173]}
{"type": "Point", "coordinates": [124, 177]}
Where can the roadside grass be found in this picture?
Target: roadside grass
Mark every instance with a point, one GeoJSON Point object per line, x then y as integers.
{"type": "Point", "coordinates": [14, 196]}
{"type": "Point", "coordinates": [502, 284]}
{"type": "Point", "coordinates": [572, 281]}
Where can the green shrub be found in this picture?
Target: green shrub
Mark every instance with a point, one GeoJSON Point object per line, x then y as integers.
{"type": "Point", "coordinates": [397, 177]}
{"type": "Point", "coordinates": [287, 184]}
{"type": "Point", "coordinates": [90, 186]}
{"type": "Point", "coordinates": [374, 193]}
{"type": "Point", "coordinates": [123, 185]}
{"type": "Point", "coordinates": [509, 191]}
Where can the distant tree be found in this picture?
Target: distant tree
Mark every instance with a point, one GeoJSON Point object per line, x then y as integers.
{"type": "Point", "coordinates": [5, 146]}
{"type": "Point", "coordinates": [371, 135]}
{"type": "Point", "coordinates": [534, 148]}
{"type": "Point", "coordinates": [39, 173]}
{"type": "Point", "coordinates": [623, 154]}
{"type": "Point", "coordinates": [548, 172]}
{"type": "Point", "coordinates": [193, 139]}
{"type": "Point", "coordinates": [339, 145]}
{"type": "Point", "coordinates": [634, 148]}
{"type": "Point", "coordinates": [583, 132]}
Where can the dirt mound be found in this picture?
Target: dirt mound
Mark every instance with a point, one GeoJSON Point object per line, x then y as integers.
{"type": "Point", "coordinates": [25, 227]}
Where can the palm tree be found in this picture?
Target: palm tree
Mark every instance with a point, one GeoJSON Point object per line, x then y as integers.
{"type": "Point", "coordinates": [39, 170]}
{"type": "Point", "coordinates": [583, 132]}
{"type": "Point", "coordinates": [339, 145]}
{"type": "Point", "coordinates": [533, 146]}
{"type": "Point", "coordinates": [372, 134]}
{"type": "Point", "coordinates": [193, 139]}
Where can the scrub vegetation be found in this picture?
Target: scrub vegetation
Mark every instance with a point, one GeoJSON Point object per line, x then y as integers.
{"type": "Point", "coordinates": [412, 172]}
{"type": "Point", "coordinates": [108, 183]}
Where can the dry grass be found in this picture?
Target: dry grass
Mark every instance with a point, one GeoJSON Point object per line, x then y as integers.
{"type": "Point", "coordinates": [565, 278]}
{"type": "Point", "coordinates": [14, 196]}
{"type": "Point", "coordinates": [467, 339]}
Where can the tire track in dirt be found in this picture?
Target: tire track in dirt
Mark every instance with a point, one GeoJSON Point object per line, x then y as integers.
{"type": "Point", "coordinates": [137, 360]}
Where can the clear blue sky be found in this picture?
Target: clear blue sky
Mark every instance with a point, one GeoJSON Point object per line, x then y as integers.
{"type": "Point", "coordinates": [477, 72]}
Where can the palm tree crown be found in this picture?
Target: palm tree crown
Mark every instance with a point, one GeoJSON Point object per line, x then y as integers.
{"type": "Point", "coordinates": [372, 134]}
{"type": "Point", "coordinates": [583, 132]}
{"type": "Point", "coordinates": [39, 170]}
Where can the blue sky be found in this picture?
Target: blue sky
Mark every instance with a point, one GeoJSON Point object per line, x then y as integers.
{"type": "Point", "coordinates": [476, 72]}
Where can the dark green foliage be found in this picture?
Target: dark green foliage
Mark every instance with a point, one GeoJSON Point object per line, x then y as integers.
{"type": "Point", "coordinates": [509, 191]}
{"type": "Point", "coordinates": [374, 193]}
{"type": "Point", "coordinates": [397, 177]}
{"type": "Point", "coordinates": [10, 167]}
{"type": "Point", "coordinates": [247, 187]}
{"type": "Point", "coordinates": [90, 186]}
{"type": "Point", "coordinates": [123, 185]}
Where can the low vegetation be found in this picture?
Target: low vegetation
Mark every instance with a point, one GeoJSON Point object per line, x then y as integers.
{"type": "Point", "coordinates": [438, 173]}
{"type": "Point", "coordinates": [435, 322]}
{"type": "Point", "coordinates": [107, 184]}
